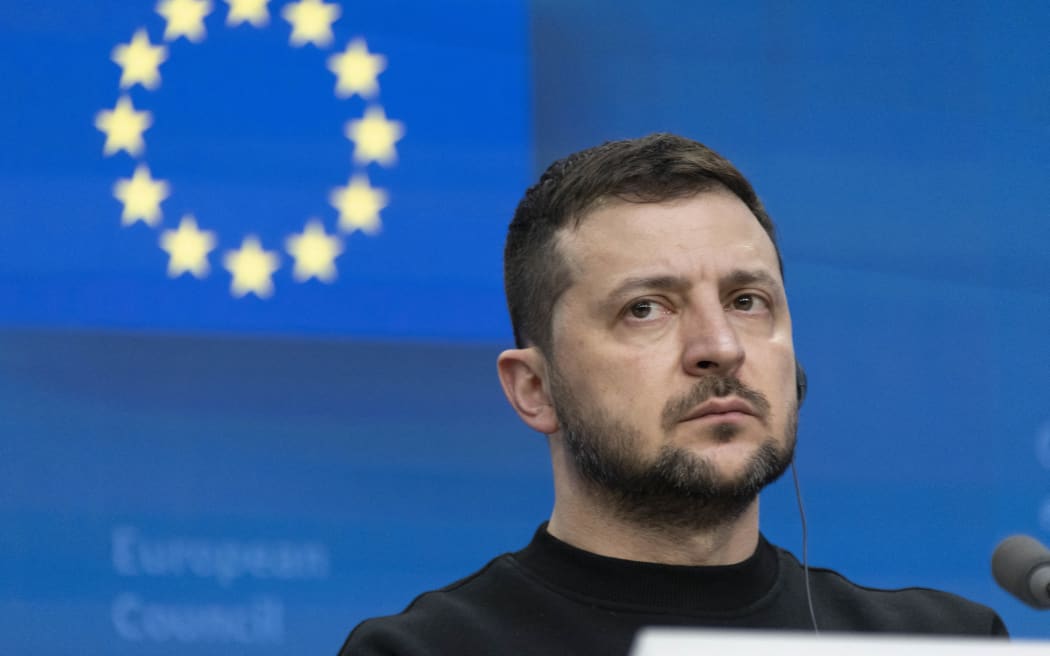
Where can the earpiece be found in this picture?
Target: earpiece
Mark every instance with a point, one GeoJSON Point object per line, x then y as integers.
{"type": "Point", "coordinates": [800, 382]}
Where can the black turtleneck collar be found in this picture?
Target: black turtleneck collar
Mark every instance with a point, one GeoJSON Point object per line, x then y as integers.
{"type": "Point", "coordinates": [655, 587]}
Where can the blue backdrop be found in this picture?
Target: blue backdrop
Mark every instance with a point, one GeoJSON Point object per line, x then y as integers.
{"type": "Point", "coordinates": [250, 295]}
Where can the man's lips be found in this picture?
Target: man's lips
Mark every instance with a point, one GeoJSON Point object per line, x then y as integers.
{"type": "Point", "coordinates": [714, 408]}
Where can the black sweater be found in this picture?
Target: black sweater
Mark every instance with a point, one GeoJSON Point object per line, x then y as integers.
{"type": "Point", "coordinates": [551, 598]}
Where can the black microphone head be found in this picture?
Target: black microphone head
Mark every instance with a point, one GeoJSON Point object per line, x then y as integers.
{"type": "Point", "coordinates": [1021, 566]}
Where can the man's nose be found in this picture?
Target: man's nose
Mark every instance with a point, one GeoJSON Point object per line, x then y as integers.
{"type": "Point", "coordinates": [711, 345]}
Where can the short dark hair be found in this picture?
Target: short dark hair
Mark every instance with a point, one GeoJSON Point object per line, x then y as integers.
{"type": "Point", "coordinates": [650, 169]}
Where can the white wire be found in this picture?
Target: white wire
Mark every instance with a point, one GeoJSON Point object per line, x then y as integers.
{"type": "Point", "coordinates": [805, 547]}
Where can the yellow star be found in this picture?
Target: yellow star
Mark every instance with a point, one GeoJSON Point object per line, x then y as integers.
{"type": "Point", "coordinates": [188, 248]}
{"type": "Point", "coordinates": [314, 252]}
{"type": "Point", "coordinates": [123, 127]}
{"type": "Point", "coordinates": [142, 196]}
{"type": "Point", "coordinates": [185, 18]}
{"type": "Point", "coordinates": [251, 11]}
{"type": "Point", "coordinates": [139, 61]}
{"type": "Point", "coordinates": [358, 204]}
{"type": "Point", "coordinates": [356, 70]}
{"type": "Point", "coordinates": [311, 22]}
{"type": "Point", "coordinates": [252, 268]}
{"type": "Point", "coordinates": [374, 137]}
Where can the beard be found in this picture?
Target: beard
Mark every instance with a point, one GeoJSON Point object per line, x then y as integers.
{"type": "Point", "coordinates": [679, 489]}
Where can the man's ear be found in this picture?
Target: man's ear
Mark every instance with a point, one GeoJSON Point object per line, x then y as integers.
{"type": "Point", "coordinates": [523, 374]}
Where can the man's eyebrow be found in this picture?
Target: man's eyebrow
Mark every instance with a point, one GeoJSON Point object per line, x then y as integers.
{"type": "Point", "coordinates": [741, 277]}
{"type": "Point", "coordinates": [658, 283]}
{"type": "Point", "coordinates": [678, 284]}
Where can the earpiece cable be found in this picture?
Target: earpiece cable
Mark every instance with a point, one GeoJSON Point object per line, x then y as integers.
{"type": "Point", "coordinates": [805, 546]}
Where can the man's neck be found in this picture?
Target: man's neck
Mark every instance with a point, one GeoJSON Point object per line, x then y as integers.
{"type": "Point", "coordinates": [605, 534]}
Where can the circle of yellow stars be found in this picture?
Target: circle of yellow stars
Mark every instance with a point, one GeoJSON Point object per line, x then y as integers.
{"type": "Point", "coordinates": [251, 266]}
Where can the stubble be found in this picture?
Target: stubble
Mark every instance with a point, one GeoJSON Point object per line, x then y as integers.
{"type": "Point", "coordinates": [678, 489]}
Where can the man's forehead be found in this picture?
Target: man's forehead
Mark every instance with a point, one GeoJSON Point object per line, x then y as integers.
{"type": "Point", "coordinates": [713, 227]}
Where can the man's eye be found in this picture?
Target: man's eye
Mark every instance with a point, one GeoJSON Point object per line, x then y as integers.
{"type": "Point", "coordinates": [643, 309]}
{"type": "Point", "coordinates": [748, 303]}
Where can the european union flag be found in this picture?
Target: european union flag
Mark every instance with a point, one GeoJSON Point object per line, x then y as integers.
{"type": "Point", "coordinates": [300, 169]}
{"type": "Point", "coordinates": [249, 165]}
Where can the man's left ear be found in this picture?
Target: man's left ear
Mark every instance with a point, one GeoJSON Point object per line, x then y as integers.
{"type": "Point", "coordinates": [523, 374]}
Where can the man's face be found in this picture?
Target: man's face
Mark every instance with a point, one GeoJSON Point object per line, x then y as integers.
{"type": "Point", "coordinates": [673, 370]}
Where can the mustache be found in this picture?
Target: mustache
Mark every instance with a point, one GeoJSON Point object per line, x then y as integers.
{"type": "Point", "coordinates": [713, 387]}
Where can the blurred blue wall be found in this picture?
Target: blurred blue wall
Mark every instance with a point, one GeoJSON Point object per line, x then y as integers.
{"type": "Point", "coordinates": [185, 471]}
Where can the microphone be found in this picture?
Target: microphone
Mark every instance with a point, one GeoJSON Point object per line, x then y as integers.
{"type": "Point", "coordinates": [1021, 566]}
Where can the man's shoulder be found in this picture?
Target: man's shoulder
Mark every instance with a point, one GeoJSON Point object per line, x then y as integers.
{"type": "Point", "coordinates": [434, 620]}
{"type": "Point", "coordinates": [841, 604]}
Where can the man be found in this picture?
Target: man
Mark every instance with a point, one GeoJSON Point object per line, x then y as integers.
{"type": "Point", "coordinates": [654, 350]}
